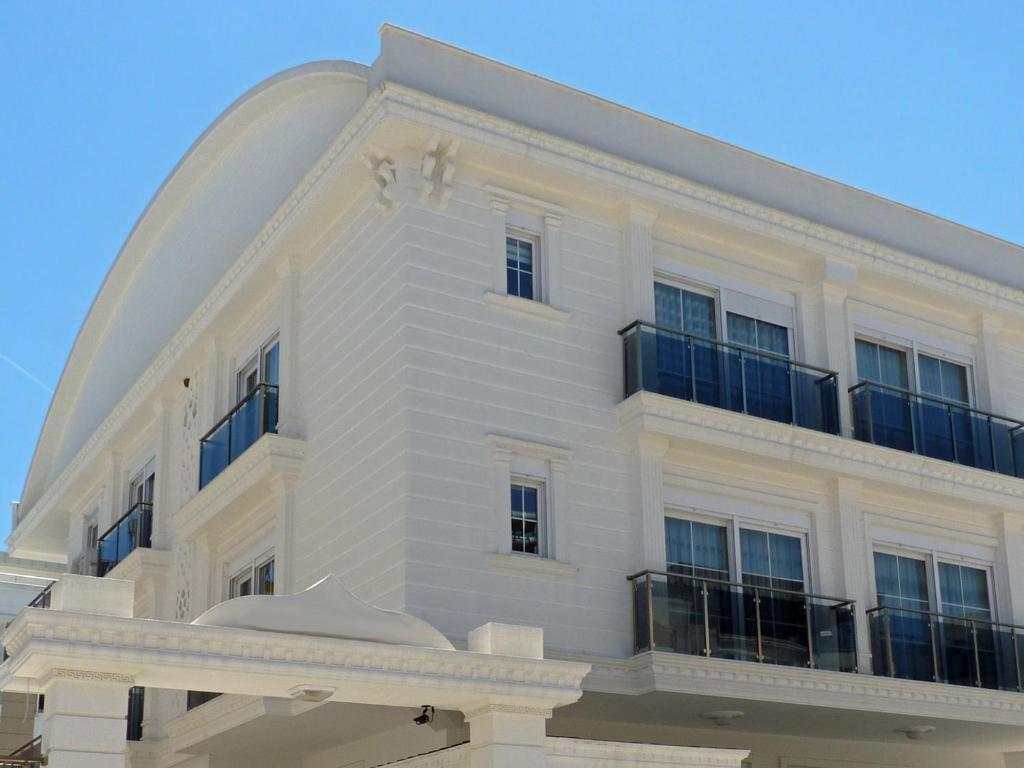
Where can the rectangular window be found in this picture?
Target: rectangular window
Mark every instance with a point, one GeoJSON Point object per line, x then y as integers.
{"type": "Point", "coordinates": [941, 378]}
{"type": "Point", "coordinates": [521, 267]}
{"type": "Point", "coordinates": [758, 334]}
{"type": "Point", "coordinates": [901, 582]}
{"type": "Point", "coordinates": [262, 368]}
{"type": "Point", "coordinates": [681, 310]}
{"type": "Point", "coordinates": [964, 591]}
{"type": "Point", "coordinates": [696, 549]}
{"type": "Point", "coordinates": [881, 364]}
{"type": "Point", "coordinates": [527, 500]}
{"type": "Point", "coordinates": [255, 578]}
{"type": "Point", "coordinates": [772, 560]}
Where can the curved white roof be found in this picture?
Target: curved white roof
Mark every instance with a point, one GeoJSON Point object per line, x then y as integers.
{"type": "Point", "coordinates": [210, 207]}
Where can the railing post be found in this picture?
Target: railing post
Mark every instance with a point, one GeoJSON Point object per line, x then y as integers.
{"type": "Point", "coordinates": [707, 627]}
{"type": "Point", "coordinates": [1016, 656]}
{"type": "Point", "coordinates": [911, 403]}
{"type": "Point", "coordinates": [977, 656]}
{"type": "Point", "coordinates": [810, 632]}
{"type": "Point", "coordinates": [935, 648]}
{"type": "Point", "coordinates": [952, 433]}
{"type": "Point", "coordinates": [743, 379]}
{"type": "Point", "coordinates": [791, 379]}
{"type": "Point", "coordinates": [757, 618]}
{"type": "Point", "coordinates": [870, 415]}
{"type": "Point", "coordinates": [693, 369]}
{"type": "Point", "coordinates": [650, 612]}
{"type": "Point", "coordinates": [890, 659]}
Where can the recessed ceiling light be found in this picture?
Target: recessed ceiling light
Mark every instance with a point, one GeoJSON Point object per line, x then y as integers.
{"type": "Point", "coordinates": [916, 732]}
{"type": "Point", "coordinates": [722, 716]}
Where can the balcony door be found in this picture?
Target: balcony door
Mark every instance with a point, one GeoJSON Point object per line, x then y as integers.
{"type": "Point", "coordinates": [687, 366]}
{"type": "Point", "coordinates": [947, 431]}
{"type": "Point", "coordinates": [762, 382]}
{"type": "Point", "coordinates": [769, 562]}
{"type": "Point", "coordinates": [257, 406]}
{"type": "Point", "coordinates": [887, 410]}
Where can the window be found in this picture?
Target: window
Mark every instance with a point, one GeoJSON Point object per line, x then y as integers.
{"type": "Point", "coordinates": [964, 591]}
{"type": "Point", "coordinates": [758, 334]}
{"type": "Point", "coordinates": [881, 364]}
{"type": "Point", "coordinates": [521, 267]}
{"type": "Point", "coordinates": [771, 560]}
{"type": "Point", "coordinates": [942, 378]}
{"type": "Point", "coordinates": [261, 368]}
{"type": "Point", "coordinates": [255, 578]}
{"type": "Point", "coordinates": [901, 582]}
{"type": "Point", "coordinates": [142, 485]}
{"type": "Point", "coordinates": [696, 549]}
{"type": "Point", "coordinates": [683, 310]}
{"type": "Point", "coordinates": [527, 524]}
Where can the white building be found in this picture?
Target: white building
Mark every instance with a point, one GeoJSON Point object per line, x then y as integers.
{"type": "Point", "coordinates": [496, 352]}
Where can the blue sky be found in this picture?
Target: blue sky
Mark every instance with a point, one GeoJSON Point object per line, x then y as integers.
{"type": "Point", "coordinates": [919, 102]}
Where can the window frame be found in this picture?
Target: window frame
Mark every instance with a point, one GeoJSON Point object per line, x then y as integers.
{"type": "Point", "coordinates": [734, 553]}
{"type": "Point", "coordinates": [535, 240]}
{"type": "Point", "coordinates": [249, 568]}
{"type": "Point", "coordinates": [543, 535]}
{"type": "Point", "coordinates": [932, 559]}
{"type": "Point", "coordinates": [256, 362]}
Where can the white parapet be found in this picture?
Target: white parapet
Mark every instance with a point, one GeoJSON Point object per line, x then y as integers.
{"type": "Point", "coordinates": [88, 594]}
{"type": "Point", "coordinates": [508, 640]}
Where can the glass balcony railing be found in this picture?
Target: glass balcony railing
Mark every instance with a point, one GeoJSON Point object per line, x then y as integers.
{"type": "Point", "coordinates": [42, 600]}
{"type": "Point", "coordinates": [726, 620]}
{"type": "Point", "coordinates": [729, 376]}
{"type": "Point", "coordinates": [247, 422]}
{"type": "Point", "coordinates": [920, 645]}
{"type": "Point", "coordinates": [931, 426]}
{"type": "Point", "coordinates": [133, 530]}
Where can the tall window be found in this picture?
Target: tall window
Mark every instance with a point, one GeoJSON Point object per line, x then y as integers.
{"type": "Point", "coordinates": [964, 591]}
{"type": "Point", "coordinates": [261, 368]}
{"type": "Point", "coordinates": [901, 582]}
{"type": "Point", "coordinates": [683, 310]}
{"type": "Point", "coordinates": [255, 578]}
{"type": "Point", "coordinates": [696, 549]}
{"type": "Point", "coordinates": [881, 364]}
{"type": "Point", "coordinates": [527, 503]}
{"type": "Point", "coordinates": [142, 485]}
{"type": "Point", "coordinates": [771, 560]}
{"type": "Point", "coordinates": [520, 267]}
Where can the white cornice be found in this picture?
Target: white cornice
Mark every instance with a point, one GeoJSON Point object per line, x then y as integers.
{"type": "Point", "coordinates": [649, 182]}
{"type": "Point", "coordinates": [646, 412]}
{"type": "Point", "coordinates": [697, 675]}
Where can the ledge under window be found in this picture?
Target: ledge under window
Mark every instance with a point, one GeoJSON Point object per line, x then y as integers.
{"type": "Point", "coordinates": [532, 565]}
{"type": "Point", "coordinates": [517, 305]}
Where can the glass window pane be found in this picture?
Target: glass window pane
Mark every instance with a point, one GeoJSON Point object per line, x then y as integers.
{"type": "Point", "coordinates": [887, 580]}
{"type": "Point", "coordinates": [271, 357]}
{"type": "Point", "coordinates": [773, 338]}
{"type": "Point", "coordinates": [678, 543]}
{"type": "Point", "coordinates": [931, 376]}
{"type": "Point", "coordinates": [709, 549]}
{"type": "Point", "coordinates": [668, 307]}
{"type": "Point", "coordinates": [787, 560]}
{"type": "Point", "coordinates": [754, 555]}
{"type": "Point", "coordinates": [954, 382]}
{"type": "Point", "coordinates": [683, 310]}
{"type": "Point", "coordinates": [892, 364]}
{"type": "Point", "coordinates": [913, 581]}
{"type": "Point", "coordinates": [867, 361]}
{"type": "Point", "coordinates": [742, 330]}
{"type": "Point", "coordinates": [950, 589]}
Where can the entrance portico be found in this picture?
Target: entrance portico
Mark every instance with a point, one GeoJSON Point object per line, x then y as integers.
{"type": "Point", "coordinates": [86, 651]}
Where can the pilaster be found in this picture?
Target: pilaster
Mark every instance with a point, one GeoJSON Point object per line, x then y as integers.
{"type": "Point", "coordinates": [853, 553]}
{"type": "Point", "coordinates": [83, 721]}
{"type": "Point", "coordinates": [638, 262]}
{"type": "Point", "coordinates": [651, 450]}
{"type": "Point", "coordinates": [284, 547]}
{"type": "Point", "coordinates": [551, 259]}
{"type": "Point", "coordinates": [499, 226]}
{"type": "Point", "coordinates": [165, 413]}
{"type": "Point", "coordinates": [289, 420]}
{"type": "Point", "coordinates": [991, 379]}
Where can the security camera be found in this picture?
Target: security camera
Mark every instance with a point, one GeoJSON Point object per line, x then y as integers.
{"type": "Point", "coordinates": [426, 716]}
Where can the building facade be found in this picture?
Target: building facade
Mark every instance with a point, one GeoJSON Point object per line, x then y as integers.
{"type": "Point", "coordinates": [504, 357]}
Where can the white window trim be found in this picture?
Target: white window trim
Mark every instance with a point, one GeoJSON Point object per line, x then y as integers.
{"type": "Point", "coordinates": [506, 453]}
{"type": "Point", "coordinates": [256, 356]}
{"type": "Point", "coordinates": [248, 565]}
{"type": "Point", "coordinates": [733, 523]}
{"type": "Point", "coordinates": [541, 485]}
{"type": "Point", "coordinates": [517, 215]}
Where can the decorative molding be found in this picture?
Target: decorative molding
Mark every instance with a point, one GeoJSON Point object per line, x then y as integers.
{"type": "Point", "coordinates": [437, 169]}
{"type": "Point", "coordinates": [647, 412]}
{"type": "Point", "coordinates": [632, 755]}
{"type": "Point", "coordinates": [503, 444]}
{"type": "Point", "coordinates": [529, 203]}
{"type": "Point", "coordinates": [83, 675]}
{"type": "Point", "coordinates": [500, 708]}
{"type": "Point", "coordinates": [520, 306]}
{"type": "Point", "coordinates": [385, 176]}
{"type": "Point", "coordinates": [533, 566]}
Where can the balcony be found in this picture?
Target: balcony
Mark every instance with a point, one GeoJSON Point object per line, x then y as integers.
{"type": "Point", "coordinates": [930, 426]}
{"type": "Point", "coordinates": [27, 756]}
{"type": "Point", "coordinates": [251, 418]}
{"type": "Point", "coordinates": [921, 645]}
{"type": "Point", "coordinates": [726, 620]}
{"type": "Point", "coordinates": [132, 531]}
{"type": "Point", "coordinates": [729, 376]}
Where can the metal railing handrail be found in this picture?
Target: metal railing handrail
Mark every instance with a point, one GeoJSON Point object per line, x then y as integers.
{"type": "Point", "coordinates": [43, 597]}
{"type": "Point", "coordinates": [839, 601]}
{"type": "Point", "coordinates": [878, 609]}
{"type": "Point", "coordinates": [933, 398]}
{"type": "Point", "coordinates": [236, 408]}
{"type": "Point", "coordinates": [743, 349]}
{"type": "Point", "coordinates": [141, 506]}
{"type": "Point", "coordinates": [28, 754]}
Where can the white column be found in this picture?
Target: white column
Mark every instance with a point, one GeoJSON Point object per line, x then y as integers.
{"type": "Point", "coordinates": [113, 492]}
{"type": "Point", "coordinates": [213, 401]}
{"type": "Point", "coordinates": [638, 263]}
{"type": "Point", "coordinates": [284, 547]}
{"type": "Point", "coordinates": [165, 471]}
{"type": "Point", "coordinates": [289, 420]}
{"type": "Point", "coordinates": [83, 722]}
{"type": "Point", "coordinates": [1010, 570]}
{"type": "Point", "coordinates": [551, 258]}
{"type": "Point", "coordinates": [499, 224]}
{"type": "Point", "coordinates": [504, 734]}
{"type": "Point", "coordinates": [991, 381]}
{"type": "Point", "coordinates": [651, 450]}
{"type": "Point", "coordinates": [854, 551]}
{"type": "Point", "coordinates": [557, 512]}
